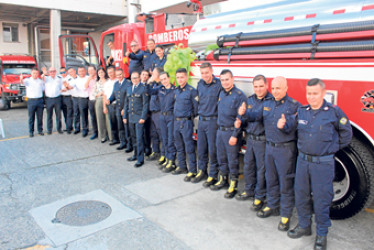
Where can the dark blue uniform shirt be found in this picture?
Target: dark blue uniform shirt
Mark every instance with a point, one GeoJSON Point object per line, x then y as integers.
{"type": "Point", "coordinates": [136, 62]}
{"type": "Point", "coordinates": [136, 103]}
{"type": "Point", "coordinates": [323, 131]}
{"type": "Point", "coordinates": [119, 93]}
{"type": "Point", "coordinates": [228, 104]}
{"type": "Point", "coordinates": [148, 59]}
{"type": "Point", "coordinates": [165, 96]}
{"type": "Point", "coordinates": [157, 62]}
{"type": "Point", "coordinates": [185, 102]}
{"type": "Point", "coordinates": [256, 105]}
{"type": "Point", "coordinates": [272, 112]}
{"type": "Point", "coordinates": [154, 103]}
{"type": "Point", "coordinates": [208, 97]}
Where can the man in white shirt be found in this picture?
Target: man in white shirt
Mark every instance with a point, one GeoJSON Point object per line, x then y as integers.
{"type": "Point", "coordinates": [34, 93]}
{"type": "Point", "coordinates": [66, 101]}
{"type": "Point", "coordinates": [82, 95]}
{"type": "Point", "coordinates": [108, 90]}
{"type": "Point", "coordinates": [75, 99]}
{"type": "Point", "coordinates": [53, 86]}
{"type": "Point", "coordinates": [90, 85]}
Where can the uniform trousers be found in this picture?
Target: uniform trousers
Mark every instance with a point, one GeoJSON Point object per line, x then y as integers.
{"type": "Point", "coordinates": [314, 178]}
{"type": "Point", "coordinates": [227, 155]}
{"type": "Point", "coordinates": [53, 104]}
{"type": "Point", "coordinates": [166, 124]}
{"type": "Point", "coordinates": [280, 164]}
{"type": "Point", "coordinates": [35, 106]}
{"type": "Point", "coordinates": [67, 110]}
{"type": "Point", "coordinates": [206, 146]}
{"type": "Point", "coordinates": [184, 143]}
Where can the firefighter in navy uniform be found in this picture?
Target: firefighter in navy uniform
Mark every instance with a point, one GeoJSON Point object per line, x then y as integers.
{"type": "Point", "coordinates": [230, 99]}
{"type": "Point", "coordinates": [136, 109]}
{"type": "Point", "coordinates": [280, 153]}
{"type": "Point", "coordinates": [119, 92]}
{"type": "Point", "coordinates": [166, 96]}
{"type": "Point", "coordinates": [185, 109]}
{"type": "Point", "coordinates": [208, 88]}
{"type": "Point", "coordinates": [323, 129]}
{"type": "Point", "coordinates": [254, 158]}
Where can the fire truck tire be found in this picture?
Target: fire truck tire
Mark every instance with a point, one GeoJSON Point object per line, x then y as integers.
{"type": "Point", "coordinates": [354, 180]}
{"type": "Point", "coordinates": [4, 104]}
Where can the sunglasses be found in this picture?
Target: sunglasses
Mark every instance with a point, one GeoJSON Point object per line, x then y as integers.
{"type": "Point", "coordinates": [62, 72]}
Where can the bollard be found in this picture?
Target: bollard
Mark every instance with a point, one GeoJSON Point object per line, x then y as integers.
{"type": "Point", "coordinates": [2, 129]}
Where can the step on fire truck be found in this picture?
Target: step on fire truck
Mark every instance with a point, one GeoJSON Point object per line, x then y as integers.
{"type": "Point", "coordinates": [302, 39]}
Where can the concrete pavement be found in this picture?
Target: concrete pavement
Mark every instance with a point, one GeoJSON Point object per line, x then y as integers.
{"type": "Point", "coordinates": [39, 171]}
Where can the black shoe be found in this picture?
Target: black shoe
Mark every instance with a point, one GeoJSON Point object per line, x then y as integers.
{"type": "Point", "coordinates": [161, 160]}
{"type": "Point", "coordinates": [257, 205]}
{"type": "Point", "coordinates": [284, 226]}
{"type": "Point", "coordinates": [129, 149]}
{"type": "Point", "coordinates": [94, 136]}
{"type": "Point", "coordinates": [179, 170]}
{"type": "Point", "coordinates": [65, 130]}
{"type": "Point", "coordinates": [77, 132]}
{"type": "Point", "coordinates": [154, 156]}
{"type": "Point", "coordinates": [31, 134]}
{"type": "Point", "coordinates": [320, 243]}
{"type": "Point", "coordinates": [189, 176]}
{"type": "Point", "coordinates": [209, 182]}
{"type": "Point", "coordinates": [103, 140]}
{"type": "Point", "coordinates": [243, 196]}
{"type": "Point", "coordinates": [113, 143]}
{"type": "Point", "coordinates": [84, 133]}
{"type": "Point", "coordinates": [69, 132]}
{"type": "Point", "coordinates": [201, 175]}
{"type": "Point", "coordinates": [60, 131]}
{"type": "Point", "coordinates": [121, 146]}
{"type": "Point", "coordinates": [298, 232]}
{"type": "Point", "coordinates": [266, 212]}
{"type": "Point", "coordinates": [132, 158]}
{"type": "Point", "coordinates": [147, 152]}
{"type": "Point", "coordinates": [41, 133]}
{"type": "Point", "coordinates": [233, 188]}
{"type": "Point", "coordinates": [49, 132]}
{"type": "Point", "coordinates": [221, 183]}
{"type": "Point", "coordinates": [170, 166]}
{"type": "Point", "coordinates": [138, 164]}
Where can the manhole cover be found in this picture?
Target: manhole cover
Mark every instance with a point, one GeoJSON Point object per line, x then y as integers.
{"type": "Point", "coordinates": [82, 213]}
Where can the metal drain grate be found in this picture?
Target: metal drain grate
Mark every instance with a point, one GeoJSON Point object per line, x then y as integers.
{"type": "Point", "coordinates": [82, 213]}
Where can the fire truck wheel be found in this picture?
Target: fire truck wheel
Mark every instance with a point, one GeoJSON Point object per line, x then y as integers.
{"type": "Point", "coordinates": [4, 105]}
{"type": "Point", "coordinates": [354, 180]}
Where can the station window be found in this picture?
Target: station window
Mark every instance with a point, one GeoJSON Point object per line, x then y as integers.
{"type": "Point", "coordinates": [10, 32]}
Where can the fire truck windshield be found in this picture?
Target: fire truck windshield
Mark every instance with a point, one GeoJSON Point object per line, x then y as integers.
{"type": "Point", "coordinates": [17, 69]}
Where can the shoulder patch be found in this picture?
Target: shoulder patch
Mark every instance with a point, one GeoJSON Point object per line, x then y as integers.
{"type": "Point", "coordinates": [249, 106]}
{"type": "Point", "coordinates": [343, 120]}
{"type": "Point", "coordinates": [267, 108]}
{"type": "Point", "coordinates": [239, 92]}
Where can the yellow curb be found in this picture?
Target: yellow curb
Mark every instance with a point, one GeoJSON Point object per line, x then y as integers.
{"type": "Point", "coordinates": [369, 210]}
{"type": "Point", "coordinates": [37, 247]}
{"type": "Point", "coordinates": [15, 138]}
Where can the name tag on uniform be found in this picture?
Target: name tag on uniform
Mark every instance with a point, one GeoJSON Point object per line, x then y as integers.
{"type": "Point", "coordinates": [303, 122]}
{"type": "Point", "coordinates": [249, 106]}
{"type": "Point", "coordinates": [267, 108]}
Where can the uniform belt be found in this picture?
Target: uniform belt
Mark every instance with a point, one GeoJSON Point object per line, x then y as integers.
{"type": "Point", "coordinates": [182, 118]}
{"type": "Point", "coordinates": [82, 97]}
{"type": "Point", "coordinates": [53, 97]}
{"type": "Point", "coordinates": [315, 159]}
{"type": "Point", "coordinates": [167, 113]}
{"type": "Point", "coordinates": [280, 144]}
{"type": "Point", "coordinates": [66, 95]}
{"type": "Point", "coordinates": [34, 98]}
{"type": "Point", "coordinates": [207, 118]}
{"type": "Point", "coordinates": [257, 137]}
{"type": "Point", "coordinates": [222, 128]}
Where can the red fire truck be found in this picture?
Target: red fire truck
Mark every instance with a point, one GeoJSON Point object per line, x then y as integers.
{"type": "Point", "coordinates": [11, 67]}
{"type": "Point", "coordinates": [165, 29]}
{"type": "Point", "coordinates": [299, 40]}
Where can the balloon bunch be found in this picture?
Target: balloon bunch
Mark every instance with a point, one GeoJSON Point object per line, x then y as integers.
{"type": "Point", "coordinates": [179, 57]}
